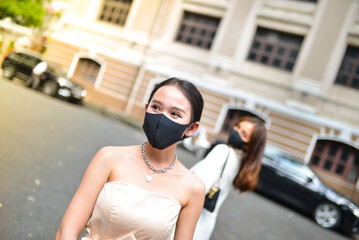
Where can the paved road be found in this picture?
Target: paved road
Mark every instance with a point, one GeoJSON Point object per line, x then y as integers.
{"type": "Point", "coordinates": [46, 145]}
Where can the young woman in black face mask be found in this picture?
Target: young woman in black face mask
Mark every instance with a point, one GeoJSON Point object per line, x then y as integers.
{"type": "Point", "coordinates": [240, 160]}
{"type": "Point", "coordinates": [143, 192]}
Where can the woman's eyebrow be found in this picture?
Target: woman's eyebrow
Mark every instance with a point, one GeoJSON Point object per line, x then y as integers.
{"type": "Point", "coordinates": [156, 101]}
{"type": "Point", "coordinates": [180, 110]}
{"type": "Point", "coordinates": [174, 108]}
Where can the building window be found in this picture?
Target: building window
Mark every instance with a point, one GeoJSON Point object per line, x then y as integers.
{"type": "Point", "coordinates": [274, 48]}
{"type": "Point", "coordinates": [197, 30]}
{"type": "Point", "coordinates": [86, 70]}
{"type": "Point", "coordinates": [115, 11]}
{"type": "Point", "coordinates": [348, 74]}
{"type": "Point", "coordinates": [337, 158]}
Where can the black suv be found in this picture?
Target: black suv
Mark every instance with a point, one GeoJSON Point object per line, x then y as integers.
{"type": "Point", "coordinates": [20, 64]}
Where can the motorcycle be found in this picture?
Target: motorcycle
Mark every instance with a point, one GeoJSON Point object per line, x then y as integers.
{"type": "Point", "coordinates": [197, 143]}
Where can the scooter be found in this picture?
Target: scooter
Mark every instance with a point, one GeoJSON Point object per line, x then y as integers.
{"type": "Point", "coordinates": [197, 143]}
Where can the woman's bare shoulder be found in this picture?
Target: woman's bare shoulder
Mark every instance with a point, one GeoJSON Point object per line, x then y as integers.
{"type": "Point", "coordinates": [111, 153]}
{"type": "Point", "coordinates": [193, 183]}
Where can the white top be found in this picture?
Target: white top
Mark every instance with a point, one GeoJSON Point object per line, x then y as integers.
{"type": "Point", "coordinates": [209, 170]}
{"type": "Point", "coordinates": [40, 68]}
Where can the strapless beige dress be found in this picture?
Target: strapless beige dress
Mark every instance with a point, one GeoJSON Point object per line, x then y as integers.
{"type": "Point", "coordinates": [127, 212]}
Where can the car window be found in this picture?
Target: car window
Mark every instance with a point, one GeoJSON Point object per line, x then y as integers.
{"type": "Point", "coordinates": [295, 167]}
{"type": "Point", "coordinates": [270, 154]}
{"type": "Point", "coordinates": [21, 55]}
{"type": "Point", "coordinates": [34, 59]}
{"type": "Point", "coordinates": [24, 56]}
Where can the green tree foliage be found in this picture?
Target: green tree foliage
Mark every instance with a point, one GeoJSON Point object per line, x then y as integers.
{"type": "Point", "coordinates": [23, 12]}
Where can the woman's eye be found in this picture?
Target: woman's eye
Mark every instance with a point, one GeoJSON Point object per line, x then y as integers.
{"type": "Point", "coordinates": [176, 114]}
{"type": "Point", "coordinates": [154, 107]}
{"type": "Point", "coordinates": [244, 134]}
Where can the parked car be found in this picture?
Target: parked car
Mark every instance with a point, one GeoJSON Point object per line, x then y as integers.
{"type": "Point", "coordinates": [288, 180]}
{"type": "Point", "coordinates": [20, 64]}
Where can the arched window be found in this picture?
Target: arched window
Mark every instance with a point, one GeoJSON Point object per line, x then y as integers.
{"type": "Point", "coordinates": [337, 158]}
{"type": "Point", "coordinates": [86, 70]}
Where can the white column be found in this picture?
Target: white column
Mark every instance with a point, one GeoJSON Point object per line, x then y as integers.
{"type": "Point", "coordinates": [147, 50]}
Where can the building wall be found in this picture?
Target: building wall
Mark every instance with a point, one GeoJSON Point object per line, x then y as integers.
{"type": "Point", "coordinates": [239, 12]}
{"type": "Point", "coordinates": [118, 78]}
{"type": "Point", "coordinates": [325, 33]}
{"type": "Point", "coordinates": [146, 15]}
{"type": "Point", "coordinates": [299, 105]}
{"type": "Point", "coordinates": [291, 134]}
{"type": "Point", "coordinates": [61, 52]}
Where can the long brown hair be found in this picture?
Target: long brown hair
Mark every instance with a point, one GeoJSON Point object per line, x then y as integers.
{"type": "Point", "coordinates": [247, 177]}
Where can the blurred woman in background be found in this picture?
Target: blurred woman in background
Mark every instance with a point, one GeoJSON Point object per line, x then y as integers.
{"type": "Point", "coordinates": [240, 160]}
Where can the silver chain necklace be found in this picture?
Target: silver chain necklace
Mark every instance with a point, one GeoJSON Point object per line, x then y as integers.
{"type": "Point", "coordinates": [149, 166]}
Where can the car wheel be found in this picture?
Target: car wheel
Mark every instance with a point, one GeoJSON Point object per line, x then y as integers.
{"type": "Point", "coordinates": [28, 82]}
{"type": "Point", "coordinates": [50, 88]}
{"type": "Point", "coordinates": [327, 215]}
{"type": "Point", "coordinates": [9, 71]}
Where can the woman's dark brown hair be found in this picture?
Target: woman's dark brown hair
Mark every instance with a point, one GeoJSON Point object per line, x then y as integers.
{"type": "Point", "coordinates": [247, 177]}
{"type": "Point", "coordinates": [190, 91]}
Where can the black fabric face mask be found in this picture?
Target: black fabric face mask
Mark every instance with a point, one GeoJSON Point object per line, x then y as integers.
{"type": "Point", "coordinates": [161, 131]}
{"type": "Point", "coordinates": [235, 140]}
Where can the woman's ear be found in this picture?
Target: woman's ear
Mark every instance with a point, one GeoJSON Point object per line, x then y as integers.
{"type": "Point", "coordinates": [192, 129]}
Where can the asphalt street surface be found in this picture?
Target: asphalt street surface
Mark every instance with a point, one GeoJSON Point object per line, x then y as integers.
{"type": "Point", "coordinates": [46, 145]}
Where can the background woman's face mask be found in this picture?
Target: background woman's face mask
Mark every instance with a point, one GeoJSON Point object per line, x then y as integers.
{"type": "Point", "coordinates": [235, 140]}
{"type": "Point", "coordinates": [161, 131]}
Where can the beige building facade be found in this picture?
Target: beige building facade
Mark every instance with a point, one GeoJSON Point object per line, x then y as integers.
{"type": "Point", "coordinates": [293, 63]}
